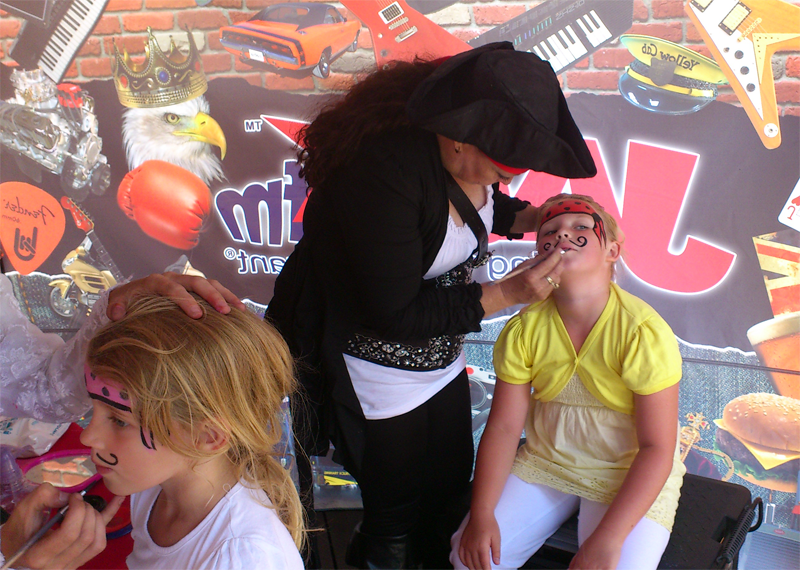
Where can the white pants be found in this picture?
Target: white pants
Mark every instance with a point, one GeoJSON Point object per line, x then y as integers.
{"type": "Point", "coordinates": [528, 514]}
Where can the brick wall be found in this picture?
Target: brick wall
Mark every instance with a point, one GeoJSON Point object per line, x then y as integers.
{"type": "Point", "coordinates": [125, 22]}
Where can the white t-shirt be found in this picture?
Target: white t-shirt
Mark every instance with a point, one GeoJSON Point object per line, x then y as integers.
{"type": "Point", "coordinates": [385, 392]}
{"type": "Point", "coordinates": [240, 532]}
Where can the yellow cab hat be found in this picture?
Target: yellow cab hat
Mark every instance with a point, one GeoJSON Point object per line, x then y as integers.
{"type": "Point", "coordinates": [667, 77]}
{"type": "Point", "coordinates": [509, 105]}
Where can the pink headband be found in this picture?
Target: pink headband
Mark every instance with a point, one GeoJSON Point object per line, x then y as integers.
{"type": "Point", "coordinates": [105, 391]}
{"type": "Point", "coordinates": [108, 392]}
{"type": "Point", "coordinates": [571, 206]}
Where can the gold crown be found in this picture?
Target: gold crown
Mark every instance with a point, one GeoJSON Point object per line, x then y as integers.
{"type": "Point", "coordinates": [161, 79]}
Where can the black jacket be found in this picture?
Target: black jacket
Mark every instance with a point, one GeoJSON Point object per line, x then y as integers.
{"type": "Point", "coordinates": [369, 237]}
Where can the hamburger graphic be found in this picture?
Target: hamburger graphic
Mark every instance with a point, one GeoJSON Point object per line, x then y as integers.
{"type": "Point", "coordinates": [761, 434]}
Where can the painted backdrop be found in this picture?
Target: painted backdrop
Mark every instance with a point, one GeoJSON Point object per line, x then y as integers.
{"type": "Point", "coordinates": [138, 136]}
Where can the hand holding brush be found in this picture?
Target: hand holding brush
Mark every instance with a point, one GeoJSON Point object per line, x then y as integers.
{"type": "Point", "coordinates": [27, 538]}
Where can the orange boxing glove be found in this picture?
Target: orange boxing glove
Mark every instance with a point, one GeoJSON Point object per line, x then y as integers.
{"type": "Point", "coordinates": [168, 202]}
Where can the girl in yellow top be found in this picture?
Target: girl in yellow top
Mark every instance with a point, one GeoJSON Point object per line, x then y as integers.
{"type": "Point", "coordinates": [595, 371]}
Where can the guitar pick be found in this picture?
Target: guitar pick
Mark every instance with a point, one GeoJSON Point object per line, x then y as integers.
{"type": "Point", "coordinates": [31, 225]}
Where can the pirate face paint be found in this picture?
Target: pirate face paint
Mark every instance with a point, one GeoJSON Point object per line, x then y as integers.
{"type": "Point", "coordinates": [573, 235]}
{"type": "Point", "coordinates": [111, 394]}
{"type": "Point", "coordinates": [106, 391]}
{"type": "Point", "coordinates": [572, 206]}
{"type": "Point", "coordinates": [113, 461]}
{"type": "Point", "coordinates": [567, 233]}
{"type": "Point", "coordinates": [118, 448]}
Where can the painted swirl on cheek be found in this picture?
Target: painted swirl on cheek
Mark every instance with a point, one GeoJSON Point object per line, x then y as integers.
{"type": "Point", "coordinates": [580, 241]}
{"type": "Point", "coordinates": [104, 460]}
{"type": "Point", "coordinates": [547, 246]}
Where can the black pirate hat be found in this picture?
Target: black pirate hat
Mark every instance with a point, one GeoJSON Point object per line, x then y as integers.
{"type": "Point", "coordinates": [507, 103]}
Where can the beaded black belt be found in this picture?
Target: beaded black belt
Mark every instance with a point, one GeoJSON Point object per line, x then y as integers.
{"type": "Point", "coordinates": [436, 353]}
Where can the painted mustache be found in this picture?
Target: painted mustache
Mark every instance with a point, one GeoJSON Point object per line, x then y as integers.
{"type": "Point", "coordinates": [104, 460]}
{"type": "Point", "coordinates": [581, 241]}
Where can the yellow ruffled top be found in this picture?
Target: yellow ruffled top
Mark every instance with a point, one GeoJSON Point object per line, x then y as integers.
{"type": "Point", "coordinates": [577, 445]}
{"type": "Point", "coordinates": [580, 427]}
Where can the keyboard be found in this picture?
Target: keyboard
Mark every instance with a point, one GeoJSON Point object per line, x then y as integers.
{"type": "Point", "coordinates": [563, 32]}
{"type": "Point", "coordinates": [53, 47]}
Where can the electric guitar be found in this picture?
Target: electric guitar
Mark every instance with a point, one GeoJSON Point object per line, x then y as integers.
{"type": "Point", "coordinates": [401, 33]}
{"type": "Point", "coordinates": [85, 223]}
{"type": "Point", "coordinates": [743, 35]}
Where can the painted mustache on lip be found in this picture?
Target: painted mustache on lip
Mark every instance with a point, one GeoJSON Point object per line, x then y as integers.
{"type": "Point", "coordinates": [104, 460]}
{"type": "Point", "coordinates": [581, 241]}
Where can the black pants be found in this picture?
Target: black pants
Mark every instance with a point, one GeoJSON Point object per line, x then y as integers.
{"type": "Point", "coordinates": [415, 473]}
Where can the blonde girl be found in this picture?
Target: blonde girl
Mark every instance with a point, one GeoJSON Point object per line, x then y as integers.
{"type": "Point", "coordinates": [592, 375]}
{"type": "Point", "coordinates": [186, 419]}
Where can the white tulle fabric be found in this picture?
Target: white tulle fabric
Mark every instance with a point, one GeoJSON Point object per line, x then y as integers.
{"type": "Point", "coordinates": [41, 376]}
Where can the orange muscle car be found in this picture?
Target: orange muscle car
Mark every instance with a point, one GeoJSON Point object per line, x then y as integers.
{"type": "Point", "coordinates": [294, 36]}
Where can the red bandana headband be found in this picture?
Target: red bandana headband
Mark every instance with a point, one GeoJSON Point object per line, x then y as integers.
{"type": "Point", "coordinates": [108, 392]}
{"type": "Point", "coordinates": [571, 206]}
{"type": "Point", "coordinates": [510, 169]}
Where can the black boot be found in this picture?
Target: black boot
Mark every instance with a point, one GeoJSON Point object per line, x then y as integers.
{"type": "Point", "coordinates": [380, 552]}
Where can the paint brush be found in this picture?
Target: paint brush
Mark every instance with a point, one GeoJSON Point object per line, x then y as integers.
{"type": "Point", "coordinates": [42, 531]}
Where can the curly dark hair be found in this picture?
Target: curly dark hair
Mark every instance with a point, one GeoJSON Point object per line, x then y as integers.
{"type": "Point", "coordinates": [373, 106]}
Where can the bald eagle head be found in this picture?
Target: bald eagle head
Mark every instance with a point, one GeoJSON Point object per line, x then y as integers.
{"type": "Point", "coordinates": [183, 134]}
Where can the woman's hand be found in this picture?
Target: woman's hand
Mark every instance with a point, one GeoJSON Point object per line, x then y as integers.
{"type": "Point", "coordinates": [527, 284]}
{"type": "Point", "coordinates": [481, 538]}
{"type": "Point", "coordinates": [597, 553]}
{"type": "Point", "coordinates": [81, 536]}
{"type": "Point", "coordinates": [530, 282]}
{"type": "Point", "coordinates": [177, 287]}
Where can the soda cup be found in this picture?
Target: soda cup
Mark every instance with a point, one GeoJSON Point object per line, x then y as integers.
{"type": "Point", "coordinates": [777, 344]}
